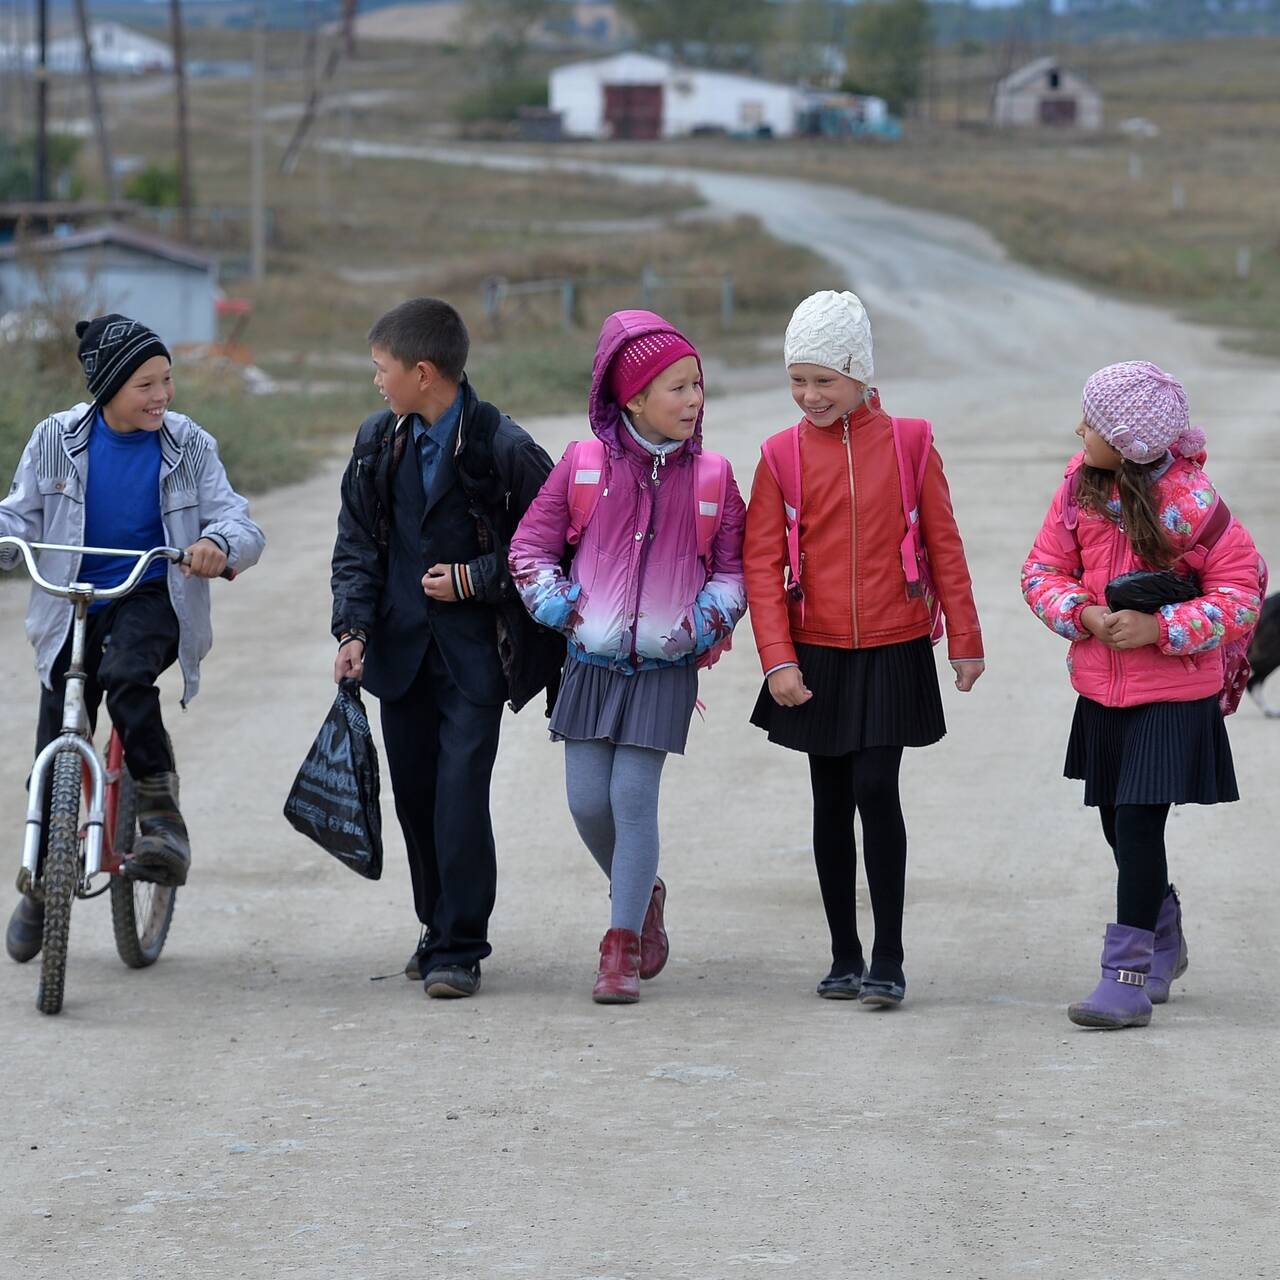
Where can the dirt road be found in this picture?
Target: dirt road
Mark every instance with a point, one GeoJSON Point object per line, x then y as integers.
{"type": "Point", "coordinates": [256, 1106]}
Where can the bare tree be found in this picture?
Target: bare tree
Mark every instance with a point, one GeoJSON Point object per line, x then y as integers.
{"type": "Point", "coordinates": [95, 103]}
{"type": "Point", "coordinates": [184, 140]}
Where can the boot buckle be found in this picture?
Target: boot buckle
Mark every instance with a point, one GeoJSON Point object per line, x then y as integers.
{"type": "Point", "coordinates": [1131, 978]}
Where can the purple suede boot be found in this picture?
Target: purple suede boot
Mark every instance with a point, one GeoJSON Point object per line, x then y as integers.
{"type": "Point", "coordinates": [1120, 999]}
{"type": "Point", "coordinates": [1169, 959]}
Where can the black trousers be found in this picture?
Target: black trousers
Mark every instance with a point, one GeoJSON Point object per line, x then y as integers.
{"type": "Point", "coordinates": [865, 782]}
{"type": "Point", "coordinates": [440, 752]}
{"type": "Point", "coordinates": [127, 645]}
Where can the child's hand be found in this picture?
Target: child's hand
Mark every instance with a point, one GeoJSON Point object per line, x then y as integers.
{"type": "Point", "coordinates": [205, 559]}
{"type": "Point", "coordinates": [1129, 629]}
{"type": "Point", "coordinates": [787, 688]}
{"type": "Point", "coordinates": [967, 672]}
{"type": "Point", "coordinates": [1093, 617]}
{"type": "Point", "coordinates": [437, 582]}
{"type": "Point", "coordinates": [349, 664]}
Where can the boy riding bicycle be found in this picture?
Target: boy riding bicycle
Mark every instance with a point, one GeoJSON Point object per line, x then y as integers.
{"type": "Point", "coordinates": [125, 472]}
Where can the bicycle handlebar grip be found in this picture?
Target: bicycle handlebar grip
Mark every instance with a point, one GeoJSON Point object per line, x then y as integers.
{"type": "Point", "coordinates": [229, 573]}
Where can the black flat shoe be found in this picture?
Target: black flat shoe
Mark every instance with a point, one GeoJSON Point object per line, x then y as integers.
{"type": "Point", "coordinates": [413, 967]}
{"type": "Point", "coordinates": [884, 986]}
{"type": "Point", "coordinates": [452, 981]}
{"type": "Point", "coordinates": [841, 986]}
{"type": "Point", "coordinates": [25, 935]}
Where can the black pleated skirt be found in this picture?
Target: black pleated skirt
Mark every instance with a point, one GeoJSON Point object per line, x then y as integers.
{"type": "Point", "coordinates": [882, 697]}
{"type": "Point", "coordinates": [1156, 753]}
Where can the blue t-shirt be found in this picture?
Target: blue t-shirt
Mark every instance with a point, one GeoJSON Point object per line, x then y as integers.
{"type": "Point", "coordinates": [121, 503]}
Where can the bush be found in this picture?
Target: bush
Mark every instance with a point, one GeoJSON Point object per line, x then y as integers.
{"type": "Point", "coordinates": [156, 186]}
{"type": "Point", "coordinates": [501, 101]}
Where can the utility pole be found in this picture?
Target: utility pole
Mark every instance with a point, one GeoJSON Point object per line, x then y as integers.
{"type": "Point", "coordinates": [184, 141]}
{"type": "Point", "coordinates": [42, 101]}
{"type": "Point", "coordinates": [257, 154]}
{"type": "Point", "coordinates": [95, 104]}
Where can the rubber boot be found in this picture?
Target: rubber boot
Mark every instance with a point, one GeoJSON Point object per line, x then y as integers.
{"type": "Point", "coordinates": [618, 978]}
{"type": "Point", "coordinates": [1169, 958]}
{"type": "Point", "coordinates": [161, 852]}
{"type": "Point", "coordinates": [1120, 998]}
{"type": "Point", "coordinates": [25, 934]}
{"type": "Point", "coordinates": [654, 947]}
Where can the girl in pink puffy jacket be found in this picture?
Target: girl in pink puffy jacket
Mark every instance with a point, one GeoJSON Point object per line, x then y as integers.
{"type": "Point", "coordinates": [1148, 729]}
{"type": "Point", "coordinates": [642, 608]}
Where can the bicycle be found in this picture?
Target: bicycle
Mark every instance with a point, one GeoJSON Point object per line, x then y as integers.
{"type": "Point", "coordinates": [141, 911]}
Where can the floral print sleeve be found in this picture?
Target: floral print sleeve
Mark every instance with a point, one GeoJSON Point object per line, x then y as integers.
{"type": "Point", "coordinates": [1051, 576]}
{"type": "Point", "coordinates": [1232, 598]}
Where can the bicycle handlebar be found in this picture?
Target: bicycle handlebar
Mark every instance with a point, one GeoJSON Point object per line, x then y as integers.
{"type": "Point", "coordinates": [145, 560]}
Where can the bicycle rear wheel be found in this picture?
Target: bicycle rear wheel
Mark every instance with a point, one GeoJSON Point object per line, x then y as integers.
{"type": "Point", "coordinates": [141, 912]}
{"type": "Point", "coordinates": [58, 878]}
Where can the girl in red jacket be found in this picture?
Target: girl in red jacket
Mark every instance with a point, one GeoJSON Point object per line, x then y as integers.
{"type": "Point", "coordinates": [849, 672]}
{"type": "Point", "coordinates": [1148, 728]}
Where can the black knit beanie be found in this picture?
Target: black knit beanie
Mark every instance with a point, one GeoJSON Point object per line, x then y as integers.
{"type": "Point", "coordinates": [111, 349]}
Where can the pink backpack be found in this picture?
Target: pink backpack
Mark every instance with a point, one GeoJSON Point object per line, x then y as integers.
{"type": "Point", "coordinates": [588, 483]}
{"type": "Point", "coordinates": [1236, 668]}
{"type": "Point", "coordinates": [912, 440]}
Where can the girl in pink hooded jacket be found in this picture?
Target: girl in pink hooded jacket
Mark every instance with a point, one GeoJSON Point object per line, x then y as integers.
{"type": "Point", "coordinates": [641, 608]}
{"type": "Point", "coordinates": [1148, 729]}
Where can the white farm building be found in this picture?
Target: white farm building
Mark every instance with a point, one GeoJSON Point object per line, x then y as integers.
{"type": "Point", "coordinates": [117, 50]}
{"type": "Point", "coordinates": [1043, 93]}
{"type": "Point", "coordinates": [637, 96]}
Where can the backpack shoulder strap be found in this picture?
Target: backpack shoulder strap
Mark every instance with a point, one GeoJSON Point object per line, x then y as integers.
{"type": "Point", "coordinates": [781, 455]}
{"type": "Point", "coordinates": [587, 465]}
{"type": "Point", "coordinates": [711, 471]}
{"type": "Point", "coordinates": [912, 440]}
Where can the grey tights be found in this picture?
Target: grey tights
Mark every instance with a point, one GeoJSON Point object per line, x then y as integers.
{"type": "Point", "coordinates": [613, 797]}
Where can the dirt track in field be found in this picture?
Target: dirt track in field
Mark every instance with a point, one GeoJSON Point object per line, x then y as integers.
{"type": "Point", "coordinates": [255, 1106]}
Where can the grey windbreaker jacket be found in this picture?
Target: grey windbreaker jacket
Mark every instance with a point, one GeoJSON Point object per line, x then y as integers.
{"type": "Point", "coordinates": [46, 504]}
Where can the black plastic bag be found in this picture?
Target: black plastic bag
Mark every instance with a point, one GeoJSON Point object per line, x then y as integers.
{"type": "Point", "coordinates": [1149, 590]}
{"type": "Point", "coordinates": [334, 798]}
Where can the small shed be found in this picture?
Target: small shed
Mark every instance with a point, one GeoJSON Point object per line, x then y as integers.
{"type": "Point", "coordinates": [633, 95]}
{"type": "Point", "coordinates": [1045, 94]}
{"type": "Point", "coordinates": [167, 286]}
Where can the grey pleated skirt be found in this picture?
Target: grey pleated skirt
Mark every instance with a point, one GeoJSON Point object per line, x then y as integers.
{"type": "Point", "coordinates": [887, 696]}
{"type": "Point", "coordinates": [1156, 753]}
{"type": "Point", "coordinates": [648, 709]}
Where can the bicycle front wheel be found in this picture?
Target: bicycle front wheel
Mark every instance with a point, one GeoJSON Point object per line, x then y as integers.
{"type": "Point", "coordinates": [59, 876]}
{"type": "Point", "coordinates": [141, 912]}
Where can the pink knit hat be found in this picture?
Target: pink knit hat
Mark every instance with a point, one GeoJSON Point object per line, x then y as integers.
{"type": "Point", "coordinates": [640, 360]}
{"type": "Point", "coordinates": [1140, 411]}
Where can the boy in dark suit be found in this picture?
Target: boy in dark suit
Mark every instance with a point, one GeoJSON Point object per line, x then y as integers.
{"type": "Point", "coordinates": [426, 616]}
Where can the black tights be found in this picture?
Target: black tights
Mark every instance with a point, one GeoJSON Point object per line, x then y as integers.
{"type": "Point", "coordinates": [865, 781]}
{"type": "Point", "coordinates": [1135, 833]}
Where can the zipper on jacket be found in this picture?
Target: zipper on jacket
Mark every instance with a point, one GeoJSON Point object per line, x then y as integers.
{"type": "Point", "coordinates": [853, 532]}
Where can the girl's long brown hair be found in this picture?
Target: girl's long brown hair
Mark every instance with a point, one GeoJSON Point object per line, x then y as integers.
{"type": "Point", "coordinates": [1138, 515]}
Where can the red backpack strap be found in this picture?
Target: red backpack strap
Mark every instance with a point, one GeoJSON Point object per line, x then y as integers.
{"type": "Point", "coordinates": [781, 455]}
{"type": "Point", "coordinates": [711, 471]}
{"type": "Point", "coordinates": [912, 440]}
{"type": "Point", "coordinates": [587, 467]}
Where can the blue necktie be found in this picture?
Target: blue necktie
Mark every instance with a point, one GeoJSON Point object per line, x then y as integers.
{"type": "Point", "coordinates": [427, 451]}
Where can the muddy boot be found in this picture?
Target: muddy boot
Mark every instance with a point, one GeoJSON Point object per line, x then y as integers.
{"type": "Point", "coordinates": [654, 947]}
{"type": "Point", "coordinates": [618, 978]}
{"type": "Point", "coordinates": [1169, 957]}
{"type": "Point", "coordinates": [161, 851]}
{"type": "Point", "coordinates": [25, 935]}
{"type": "Point", "coordinates": [1120, 999]}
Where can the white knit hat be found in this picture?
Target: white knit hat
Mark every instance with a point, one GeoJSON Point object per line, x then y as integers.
{"type": "Point", "coordinates": [832, 330]}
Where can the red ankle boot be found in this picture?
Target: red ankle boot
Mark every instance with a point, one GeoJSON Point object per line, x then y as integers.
{"type": "Point", "coordinates": [654, 947]}
{"type": "Point", "coordinates": [618, 978]}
